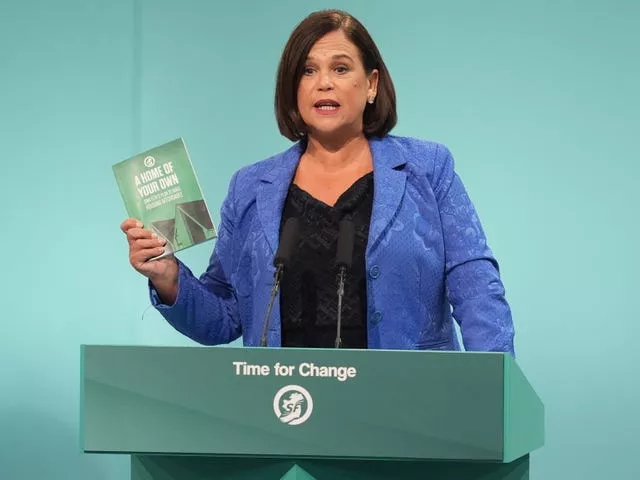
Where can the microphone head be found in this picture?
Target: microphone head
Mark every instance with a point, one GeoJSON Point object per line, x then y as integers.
{"type": "Point", "coordinates": [346, 238]}
{"type": "Point", "coordinates": [288, 242]}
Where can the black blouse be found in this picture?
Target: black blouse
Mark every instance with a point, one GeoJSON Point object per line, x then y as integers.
{"type": "Point", "coordinates": [308, 295]}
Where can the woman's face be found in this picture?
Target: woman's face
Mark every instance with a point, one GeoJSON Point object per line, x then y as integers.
{"type": "Point", "coordinates": [334, 88]}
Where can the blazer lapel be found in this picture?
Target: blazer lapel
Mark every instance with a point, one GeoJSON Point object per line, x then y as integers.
{"type": "Point", "coordinates": [389, 185]}
{"type": "Point", "coordinates": [272, 192]}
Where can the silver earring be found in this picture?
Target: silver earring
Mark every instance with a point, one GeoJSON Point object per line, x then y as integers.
{"type": "Point", "coordinates": [371, 99]}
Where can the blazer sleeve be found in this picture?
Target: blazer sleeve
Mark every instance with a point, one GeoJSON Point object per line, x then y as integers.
{"type": "Point", "coordinates": [473, 285]}
{"type": "Point", "coordinates": [206, 308]}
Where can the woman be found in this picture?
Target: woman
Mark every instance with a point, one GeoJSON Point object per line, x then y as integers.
{"type": "Point", "coordinates": [420, 257]}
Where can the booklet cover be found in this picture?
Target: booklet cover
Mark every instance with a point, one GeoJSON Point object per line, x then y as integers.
{"type": "Point", "coordinates": [160, 188]}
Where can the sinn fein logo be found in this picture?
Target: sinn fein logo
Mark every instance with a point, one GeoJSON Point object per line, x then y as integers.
{"type": "Point", "coordinates": [293, 405]}
{"type": "Point", "coordinates": [149, 161]}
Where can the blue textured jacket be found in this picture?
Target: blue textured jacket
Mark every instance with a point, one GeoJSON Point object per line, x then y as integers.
{"type": "Point", "coordinates": [427, 258]}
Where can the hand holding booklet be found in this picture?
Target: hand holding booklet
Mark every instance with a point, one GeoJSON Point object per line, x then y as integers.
{"type": "Point", "coordinates": [160, 189]}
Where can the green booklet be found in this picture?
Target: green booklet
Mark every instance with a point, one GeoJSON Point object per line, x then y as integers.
{"type": "Point", "coordinates": [160, 188]}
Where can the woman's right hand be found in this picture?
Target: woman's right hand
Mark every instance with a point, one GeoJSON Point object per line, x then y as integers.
{"type": "Point", "coordinates": [145, 244]}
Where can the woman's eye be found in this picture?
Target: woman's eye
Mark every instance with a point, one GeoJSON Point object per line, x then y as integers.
{"type": "Point", "coordinates": [342, 69]}
{"type": "Point", "coordinates": [308, 71]}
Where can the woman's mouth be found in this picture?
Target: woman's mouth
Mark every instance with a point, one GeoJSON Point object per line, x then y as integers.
{"type": "Point", "coordinates": [326, 106]}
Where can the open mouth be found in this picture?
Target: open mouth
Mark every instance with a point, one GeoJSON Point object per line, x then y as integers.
{"type": "Point", "coordinates": [326, 105]}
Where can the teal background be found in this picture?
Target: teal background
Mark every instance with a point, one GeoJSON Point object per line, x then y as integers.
{"type": "Point", "coordinates": [538, 102]}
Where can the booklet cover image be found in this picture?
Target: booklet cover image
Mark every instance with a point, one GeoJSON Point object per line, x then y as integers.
{"type": "Point", "coordinates": [159, 188]}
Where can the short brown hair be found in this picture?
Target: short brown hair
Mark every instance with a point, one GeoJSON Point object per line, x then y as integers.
{"type": "Point", "coordinates": [379, 117]}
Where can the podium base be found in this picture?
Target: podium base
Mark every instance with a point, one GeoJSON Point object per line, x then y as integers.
{"type": "Point", "coordinates": [163, 467]}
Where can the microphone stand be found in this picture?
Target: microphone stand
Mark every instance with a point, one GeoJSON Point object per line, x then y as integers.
{"type": "Point", "coordinates": [341, 276]}
{"type": "Point", "coordinates": [274, 290]}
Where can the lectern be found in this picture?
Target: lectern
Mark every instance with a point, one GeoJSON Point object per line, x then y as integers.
{"type": "Point", "coordinates": [282, 413]}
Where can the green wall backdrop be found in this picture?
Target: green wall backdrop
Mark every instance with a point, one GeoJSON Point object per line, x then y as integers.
{"type": "Point", "coordinates": [538, 101]}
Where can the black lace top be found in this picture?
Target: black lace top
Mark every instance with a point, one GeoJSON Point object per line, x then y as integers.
{"type": "Point", "coordinates": [308, 295]}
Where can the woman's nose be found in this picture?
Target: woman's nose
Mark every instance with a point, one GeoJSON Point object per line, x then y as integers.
{"type": "Point", "coordinates": [325, 81]}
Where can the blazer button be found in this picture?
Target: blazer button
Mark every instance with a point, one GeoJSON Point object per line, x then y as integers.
{"type": "Point", "coordinates": [374, 272]}
{"type": "Point", "coordinates": [377, 316]}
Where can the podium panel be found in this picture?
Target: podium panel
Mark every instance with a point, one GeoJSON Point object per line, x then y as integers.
{"type": "Point", "coordinates": [314, 412]}
{"type": "Point", "coordinates": [215, 468]}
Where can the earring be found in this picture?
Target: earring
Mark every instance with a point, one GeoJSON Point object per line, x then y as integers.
{"type": "Point", "coordinates": [371, 99]}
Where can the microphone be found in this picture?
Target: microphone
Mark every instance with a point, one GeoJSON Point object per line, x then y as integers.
{"type": "Point", "coordinates": [344, 257]}
{"type": "Point", "coordinates": [282, 259]}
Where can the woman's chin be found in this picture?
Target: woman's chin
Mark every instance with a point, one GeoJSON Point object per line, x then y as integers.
{"type": "Point", "coordinates": [335, 131]}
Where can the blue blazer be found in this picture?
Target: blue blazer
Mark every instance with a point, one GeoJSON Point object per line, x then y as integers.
{"type": "Point", "coordinates": [427, 258]}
